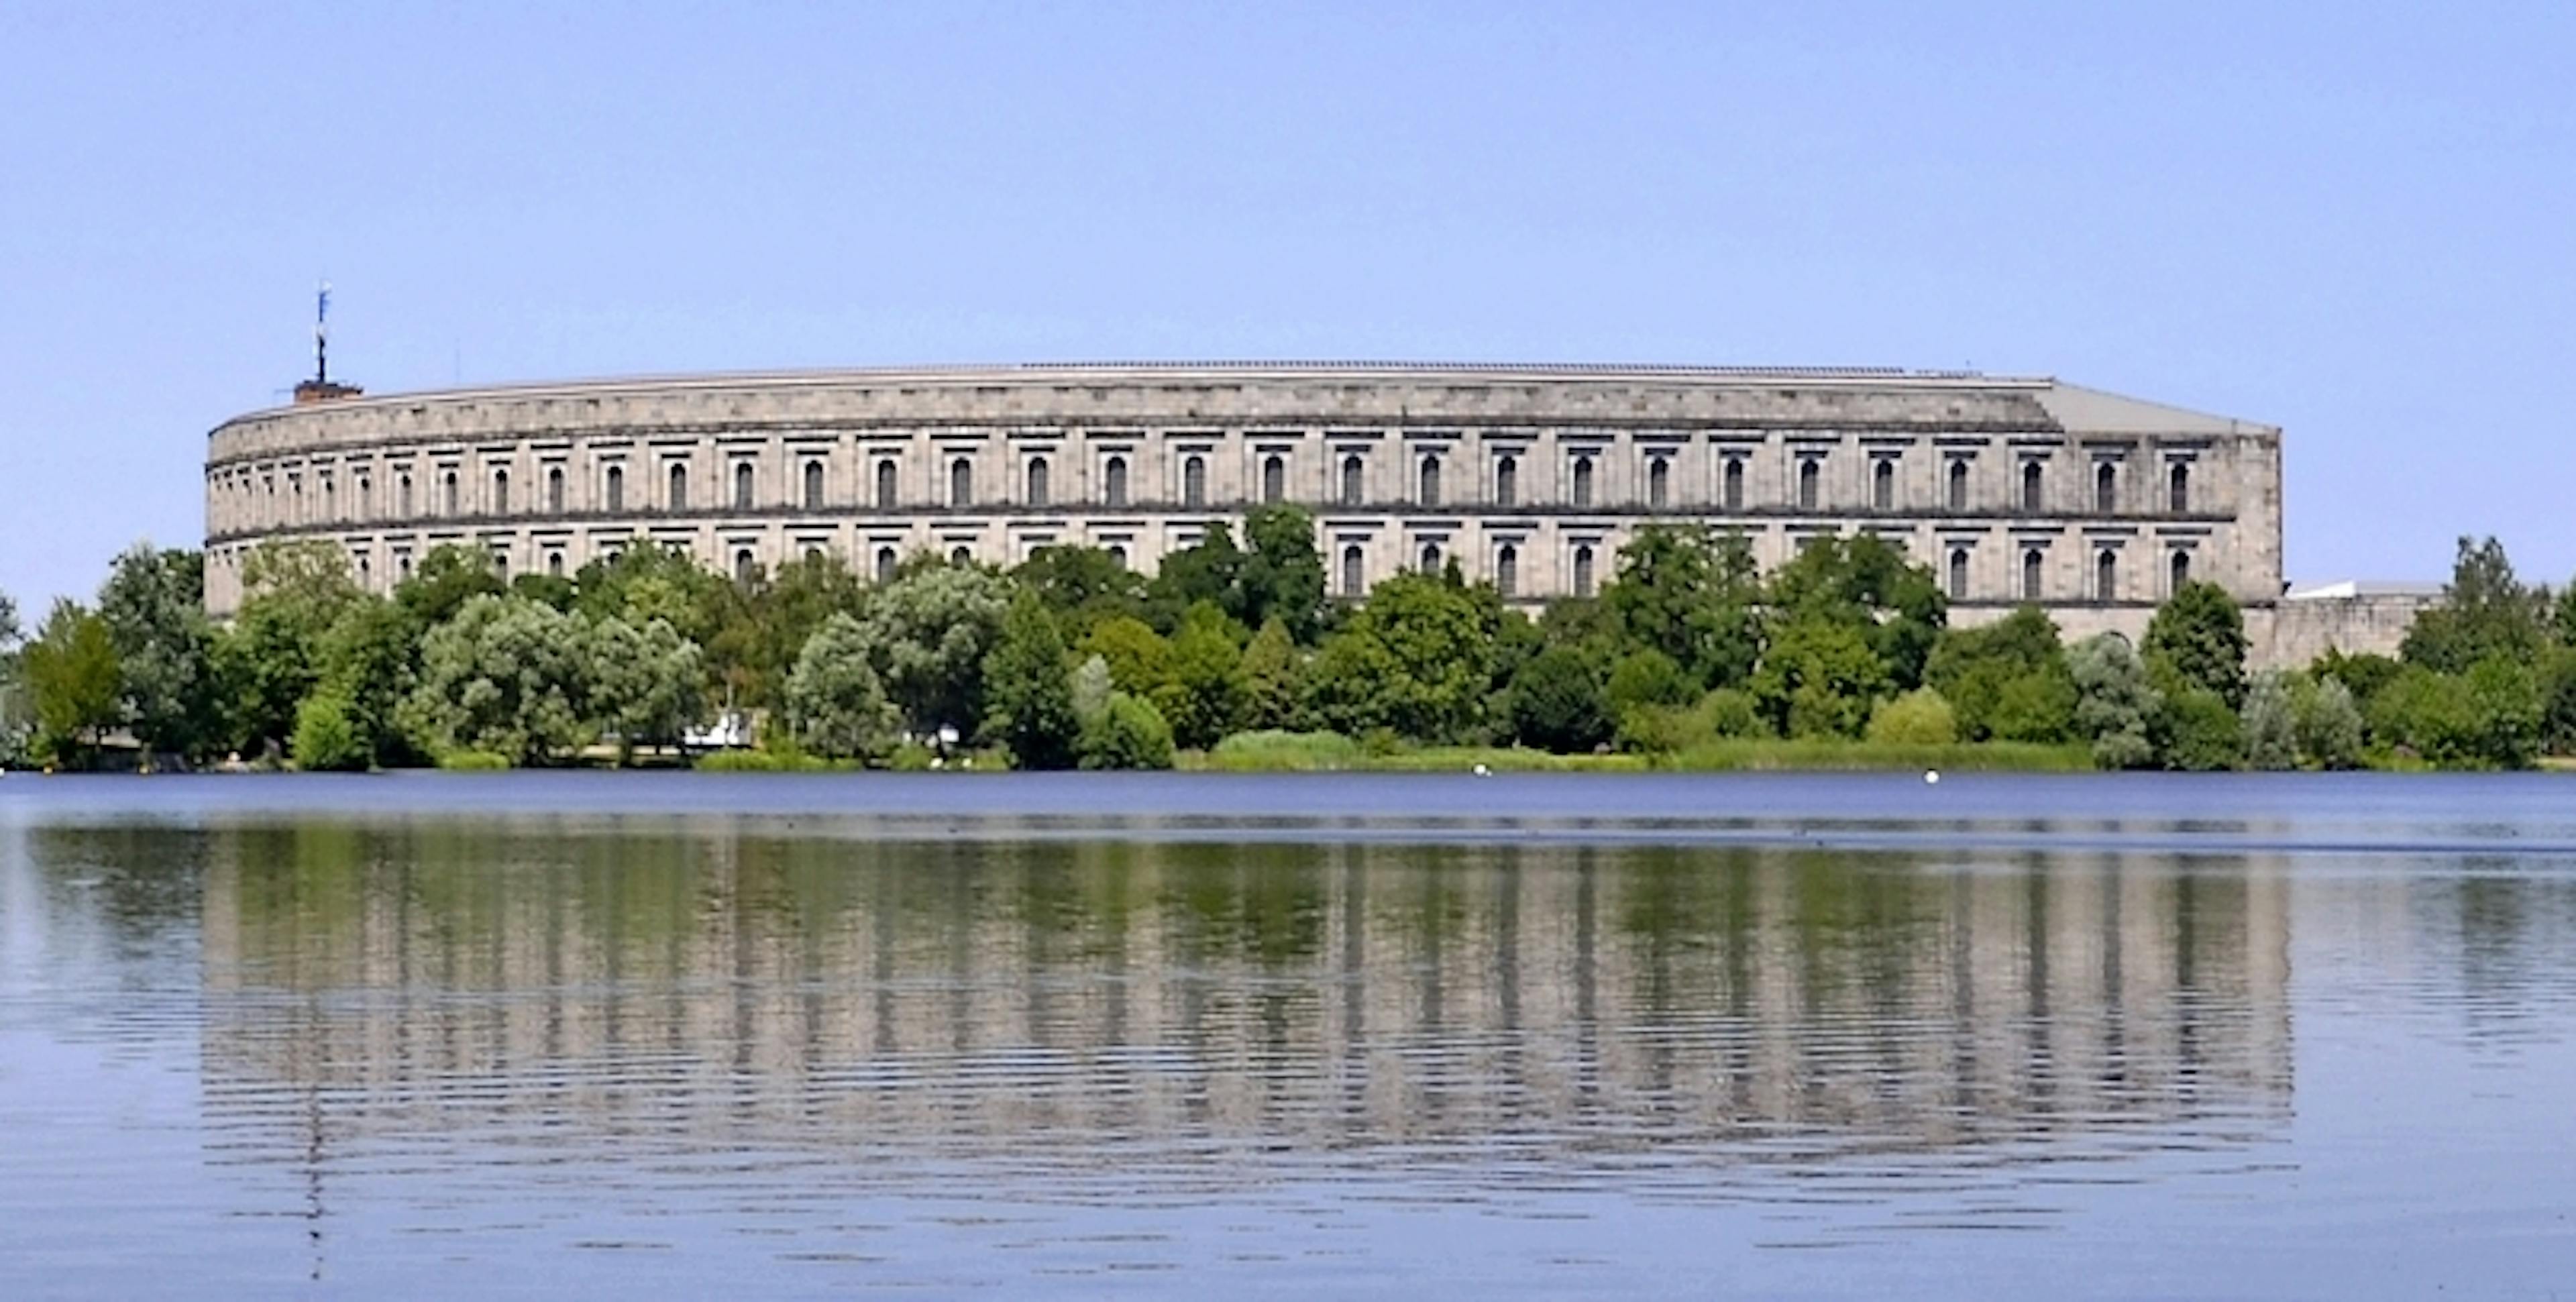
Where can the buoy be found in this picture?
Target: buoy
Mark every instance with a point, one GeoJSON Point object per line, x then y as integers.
{"type": "Point", "coordinates": [1483, 772]}
{"type": "Point", "coordinates": [1931, 777]}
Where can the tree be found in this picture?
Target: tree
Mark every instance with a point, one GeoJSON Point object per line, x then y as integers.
{"type": "Point", "coordinates": [1648, 677]}
{"type": "Point", "coordinates": [1557, 702]}
{"type": "Point", "coordinates": [2197, 639]}
{"type": "Point", "coordinates": [1127, 733]}
{"type": "Point", "coordinates": [1819, 678]}
{"type": "Point", "coordinates": [1282, 576]}
{"type": "Point", "coordinates": [1028, 693]}
{"type": "Point", "coordinates": [929, 632]}
{"type": "Point", "coordinates": [2271, 724]}
{"type": "Point", "coordinates": [269, 659]}
{"type": "Point", "coordinates": [1274, 680]}
{"type": "Point", "coordinates": [154, 604]}
{"type": "Point", "coordinates": [1081, 586]}
{"type": "Point", "coordinates": [366, 666]}
{"type": "Point", "coordinates": [505, 676]}
{"type": "Point", "coordinates": [2485, 613]}
{"type": "Point", "coordinates": [72, 681]}
{"type": "Point", "coordinates": [444, 580]}
{"type": "Point", "coordinates": [836, 706]}
{"type": "Point", "coordinates": [2007, 680]}
{"type": "Point", "coordinates": [1417, 660]}
{"type": "Point", "coordinates": [2197, 733]}
{"type": "Point", "coordinates": [2115, 706]}
{"type": "Point", "coordinates": [1865, 584]}
{"type": "Point", "coordinates": [1918, 718]}
{"type": "Point", "coordinates": [1206, 696]}
{"type": "Point", "coordinates": [17, 716]}
{"type": "Point", "coordinates": [325, 740]}
{"type": "Point", "coordinates": [786, 610]}
{"type": "Point", "coordinates": [2558, 704]}
{"type": "Point", "coordinates": [641, 684]}
{"type": "Point", "coordinates": [1210, 570]}
{"type": "Point", "coordinates": [2563, 623]}
{"type": "Point", "coordinates": [1139, 659]}
{"type": "Point", "coordinates": [1693, 595]}
{"type": "Point", "coordinates": [2330, 729]}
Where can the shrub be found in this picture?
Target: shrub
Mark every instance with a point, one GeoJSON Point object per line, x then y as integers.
{"type": "Point", "coordinates": [2270, 724]}
{"type": "Point", "coordinates": [1129, 734]}
{"type": "Point", "coordinates": [1647, 677]}
{"type": "Point", "coordinates": [2201, 735]}
{"type": "Point", "coordinates": [1557, 703]}
{"type": "Point", "coordinates": [2115, 705]}
{"type": "Point", "coordinates": [473, 761]}
{"type": "Point", "coordinates": [1919, 718]}
{"type": "Point", "coordinates": [325, 740]}
{"type": "Point", "coordinates": [1276, 751]}
{"type": "Point", "coordinates": [2329, 726]}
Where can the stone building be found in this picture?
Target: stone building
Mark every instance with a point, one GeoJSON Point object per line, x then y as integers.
{"type": "Point", "coordinates": [1530, 477]}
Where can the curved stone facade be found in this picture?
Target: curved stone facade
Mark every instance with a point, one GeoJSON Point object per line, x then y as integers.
{"type": "Point", "coordinates": [1528, 476]}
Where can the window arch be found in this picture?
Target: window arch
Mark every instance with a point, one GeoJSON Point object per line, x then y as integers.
{"type": "Point", "coordinates": [1352, 471]}
{"type": "Point", "coordinates": [500, 492]}
{"type": "Point", "coordinates": [1958, 485]}
{"type": "Point", "coordinates": [1733, 492]}
{"type": "Point", "coordinates": [1507, 571]}
{"type": "Point", "coordinates": [742, 485]}
{"type": "Point", "coordinates": [1354, 571]}
{"type": "Point", "coordinates": [885, 485]}
{"type": "Point", "coordinates": [813, 485]}
{"type": "Point", "coordinates": [1037, 481]}
{"type": "Point", "coordinates": [1113, 481]}
{"type": "Point", "coordinates": [1810, 484]}
{"type": "Point", "coordinates": [2106, 488]}
{"type": "Point", "coordinates": [961, 556]}
{"type": "Point", "coordinates": [2106, 575]}
{"type": "Point", "coordinates": [813, 554]}
{"type": "Point", "coordinates": [1194, 483]}
{"type": "Point", "coordinates": [961, 482]}
{"type": "Point", "coordinates": [555, 564]}
{"type": "Point", "coordinates": [554, 490]}
{"type": "Point", "coordinates": [1583, 571]}
{"type": "Point", "coordinates": [1274, 478]}
{"type": "Point", "coordinates": [744, 567]}
{"type": "Point", "coordinates": [1431, 558]}
{"type": "Point", "coordinates": [885, 564]}
{"type": "Point", "coordinates": [616, 488]}
{"type": "Point", "coordinates": [447, 494]}
{"type": "Point", "coordinates": [1882, 485]}
{"type": "Point", "coordinates": [2181, 570]}
{"type": "Point", "coordinates": [1507, 481]}
{"type": "Point", "coordinates": [2178, 487]}
{"type": "Point", "coordinates": [1958, 573]}
{"type": "Point", "coordinates": [679, 499]}
{"type": "Point", "coordinates": [1582, 482]}
{"type": "Point", "coordinates": [1118, 553]}
{"type": "Point", "coordinates": [1430, 481]}
{"type": "Point", "coordinates": [2032, 563]}
{"type": "Point", "coordinates": [1659, 483]}
{"type": "Point", "coordinates": [2031, 497]}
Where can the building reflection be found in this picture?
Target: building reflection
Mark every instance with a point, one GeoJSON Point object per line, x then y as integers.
{"type": "Point", "coordinates": [720, 983]}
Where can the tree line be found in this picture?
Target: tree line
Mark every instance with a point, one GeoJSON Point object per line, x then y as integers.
{"type": "Point", "coordinates": [1073, 660]}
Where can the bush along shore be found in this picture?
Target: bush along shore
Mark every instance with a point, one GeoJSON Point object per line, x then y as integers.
{"type": "Point", "coordinates": [1232, 658]}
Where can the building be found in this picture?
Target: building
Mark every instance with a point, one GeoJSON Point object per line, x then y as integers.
{"type": "Point", "coordinates": [2013, 490]}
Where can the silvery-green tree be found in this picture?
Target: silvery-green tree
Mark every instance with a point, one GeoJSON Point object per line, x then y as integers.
{"type": "Point", "coordinates": [2270, 723]}
{"type": "Point", "coordinates": [836, 705]}
{"type": "Point", "coordinates": [928, 633]}
{"type": "Point", "coordinates": [643, 683]}
{"type": "Point", "coordinates": [506, 676]}
{"type": "Point", "coordinates": [2115, 705]}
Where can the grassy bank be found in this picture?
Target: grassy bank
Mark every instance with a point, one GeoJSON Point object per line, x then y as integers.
{"type": "Point", "coordinates": [1312, 752]}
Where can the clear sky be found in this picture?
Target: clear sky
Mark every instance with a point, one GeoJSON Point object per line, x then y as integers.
{"type": "Point", "coordinates": [2355, 219]}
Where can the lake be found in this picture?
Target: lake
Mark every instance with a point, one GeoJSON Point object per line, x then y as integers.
{"type": "Point", "coordinates": [600, 1035]}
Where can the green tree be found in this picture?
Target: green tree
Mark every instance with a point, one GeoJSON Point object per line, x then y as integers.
{"type": "Point", "coordinates": [154, 603]}
{"type": "Point", "coordinates": [269, 659]}
{"type": "Point", "coordinates": [2330, 727]}
{"type": "Point", "coordinates": [1210, 570]}
{"type": "Point", "coordinates": [1819, 678]}
{"type": "Point", "coordinates": [2198, 733]}
{"type": "Point", "coordinates": [1691, 594]}
{"type": "Point", "coordinates": [1648, 677]}
{"type": "Point", "coordinates": [1282, 576]}
{"type": "Point", "coordinates": [1127, 733]}
{"type": "Point", "coordinates": [642, 685]}
{"type": "Point", "coordinates": [1028, 691]}
{"type": "Point", "coordinates": [2116, 708]}
{"type": "Point", "coordinates": [1921, 717]}
{"type": "Point", "coordinates": [930, 631]}
{"type": "Point", "coordinates": [73, 683]}
{"type": "Point", "coordinates": [2506, 696]}
{"type": "Point", "coordinates": [1557, 702]}
{"type": "Point", "coordinates": [2271, 723]}
{"type": "Point", "coordinates": [325, 739]}
{"type": "Point", "coordinates": [2008, 680]}
{"type": "Point", "coordinates": [2197, 639]}
{"type": "Point", "coordinates": [1207, 695]}
{"type": "Point", "coordinates": [2361, 675]}
{"type": "Point", "coordinates": [836, 705]}
{"type": "Point", "coordinates": [2558, 708]}
{"type": "Point", "coordinates": [2563, 623]}
{"type": "Point", "coordinates": [2485, 613]}
{"type": "Point", "coordinates": [1274, 679]}
{"type": "Point", "coordinates": [1139, 659]}
{"type": "Point", "coordinates": [503, 675]}
{"type": "Point", "coordinates": [1865, 584]}
{"type": "Point", "coordinates": [786, 610]}
{"type": "Point", "coordinates": [1416, 660]}
{"type": "Point", "coordinates": [443, 581]}
{"type": "Point", "coordinates": [1081, 586]}
{"type": "Point", "coordinates": [366, 665]}
{"type": "Point", "coordinates": [17, 716]}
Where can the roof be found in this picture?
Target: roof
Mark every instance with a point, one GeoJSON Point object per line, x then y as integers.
{"type": "Point", "coordinates": [2093, 411]}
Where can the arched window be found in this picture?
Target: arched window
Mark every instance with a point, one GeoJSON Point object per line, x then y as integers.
{"type": "Point", "coordinates": [555, 564]}
{"type": "Point", "coordinates": [1118, 553]}
{"type": "Point", "coordinates": [961, 482]}
{"type": "Point", "coordinates": [1507, 481]}
{"type": "Point", "coordinates": [961, 556]}
{"type": "Point", "coordinates": [1037, 481]}
{"type": "Point", "coordinates": [1507, 571]}
{"type": "Point", "coordinates": [1194, 483]}
{"type": "Point", "coordinates": [1583, 571]}
{"type": "Point", "coordinates": [885, 485]}
{"type": "Point", "coordinates": [501, 563]}
{"type": "Point", "coordinates": [2106, 575]}
{"type": "Point", "coordinates": [1659, 483]}
{"type": "Point", "coordinates": [1274, 478]}
{"type": "Point", "coordinates": [2181, 566]}
{"type": "Point", "coordinates": [1351, 471]}
{"type": "Point", "coordinates": [813, 554]}
{"type": "Point", "coordinates": [1353, 575]}
{"type": "Point", "coordinates": [1810, 484]}
{"type": "Point", "coordinates": [1431, 558]}
{"type": "Point", "coordinates": [2106, 488]}
{"type": "Point", "coordinates": [1734, 491]}
{"type": "Point", "coordinates": [1582, 482]}
{"type": "Point", "coordinates": [1430, 481]}
{"type": "Point", "coordinates": [2030, 486]}
{"type": "Point", "coordinates": [2031, 563]}
{"type": "Point", "coordinates": [500, 492]}
{"type": "Point", "coordinates": [885, 564]}
{"type": "Point", "coordinates": [2178, 488]}
{"type": "Point", "coordinates": [813, 485]}
{"type": "Point", "coordinates": [1113, 481]}
{"type": "Point", "coordinates": [679, 487]}
{"type": "Point", "coordinates": [742, 485]}
{"type": "Point", "coordinates": [402, 566]}
{"type": "Point", "coordinates": [744, 567]}
{"type": "Point", "coordinates": [616, 488]}
{"type": "Point", "coordinates": [447, 494]}
{"type": "Point", "coordinates": [554, 490]}
{"type": "Point", "coordinates": [1958, 485]}
{"type": "Point", "coordinates": [1958, 573]}
{"type": "Point", "coordinates": [1882, 485]}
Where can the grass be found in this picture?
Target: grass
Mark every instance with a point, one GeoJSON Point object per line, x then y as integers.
{"type": "Point", "coordinates": [770, 761]}
{"type": "Point", "coordinates": [1326, 752]}
{"type": "Point", "coordinates": [1774, 754]}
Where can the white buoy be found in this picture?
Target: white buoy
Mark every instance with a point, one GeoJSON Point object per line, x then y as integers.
{"type": "Point", "coordinates": [1931, 777]}
{"type": "Point", "coordinates": [1483, 772]}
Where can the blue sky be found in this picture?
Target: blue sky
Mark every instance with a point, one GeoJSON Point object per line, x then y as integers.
{"type": "Point", "coordinates": [2355, 220]}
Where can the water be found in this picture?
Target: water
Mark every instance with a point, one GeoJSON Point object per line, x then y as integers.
{"type": "Point", "coordinates": [591, 1035]}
